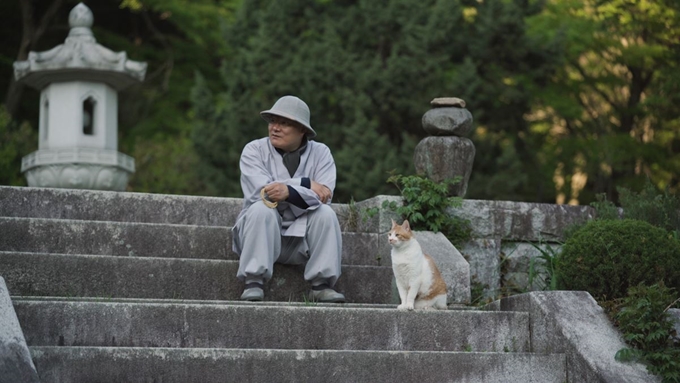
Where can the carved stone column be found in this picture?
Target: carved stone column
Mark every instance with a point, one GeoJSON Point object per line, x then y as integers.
{"type": "Point", "coordinates": [446, 153]}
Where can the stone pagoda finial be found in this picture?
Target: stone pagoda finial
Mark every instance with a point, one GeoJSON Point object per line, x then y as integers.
{"type": "Point", "coordinates": [446, 153]}
{"type": "Point", "coordinates": [80, 17]}
{"type": "Point", "coordinates": [79, 82]}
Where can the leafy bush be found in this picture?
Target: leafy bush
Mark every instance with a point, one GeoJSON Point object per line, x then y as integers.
{"type": "Point", "coordinates": [605, 209]}
{"type": "Point", "coordinates": [16, 140]}
{"type": "Point", "coordinates": [659, 209]}
{"type": "Point", "coordinates": [426, 203]}
{"type": "Point", "coordinates": [646, 326]}
{"type": "Point", "coordinates": [607, 257]}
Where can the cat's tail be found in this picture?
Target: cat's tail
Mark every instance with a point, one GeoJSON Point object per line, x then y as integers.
{"type": "Point", "coordinates": [440, 302]}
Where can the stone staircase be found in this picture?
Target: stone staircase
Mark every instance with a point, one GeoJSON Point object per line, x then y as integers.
{"type": "Point", "coordinates": [131, 287]}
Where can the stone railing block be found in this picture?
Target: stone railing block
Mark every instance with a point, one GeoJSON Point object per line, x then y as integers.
{"type": "Point", "coordinates": [16, 364]}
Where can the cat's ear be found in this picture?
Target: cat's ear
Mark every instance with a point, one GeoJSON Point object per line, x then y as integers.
{"type": "Point", "coordinates": [406, 225]}
{"type": "Point", "coordinates": [393, 223]}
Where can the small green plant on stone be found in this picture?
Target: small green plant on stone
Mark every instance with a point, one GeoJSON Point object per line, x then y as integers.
{"type": "Point", "coordinates": [645, 323]}
{"type": "Point", "coordinates": [543, 269]}
{"type": "Point", "coordinates": [425, 206]}
{"type": "Point", "coordinates": [369, 213]}
{"type": "Point", "coordinates": [514, 344]}
{"type": "Point", "coordinates": [308, 301]}
{"type": "Point", "coordinates": [351, 219]}
{"type": "Point", "coordinates": [477, 289]}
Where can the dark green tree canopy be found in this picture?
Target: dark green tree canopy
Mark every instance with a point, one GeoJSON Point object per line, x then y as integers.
{"type": "Point", "coordinates": [570, 98]}
{"type": "Point", "coordinates": [368, 71]}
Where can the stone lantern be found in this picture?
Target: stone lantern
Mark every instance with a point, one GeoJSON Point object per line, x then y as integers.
{"type": "Point", "coordinates": [78, 129]}
{"type": "Point", "coordinates": [447, 153]}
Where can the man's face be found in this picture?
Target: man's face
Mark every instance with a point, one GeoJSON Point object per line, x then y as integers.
{"type": "Point", "coordinates": [285, 134]}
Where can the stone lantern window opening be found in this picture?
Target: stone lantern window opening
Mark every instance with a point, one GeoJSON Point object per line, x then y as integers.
{"type": "Point", "coordinates": [44, 118]}
{"type": "Point", "coordinates": [89, 117]}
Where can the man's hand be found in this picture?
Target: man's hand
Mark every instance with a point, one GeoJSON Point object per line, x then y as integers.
{"type": "Point", "coordinates": [276, 192]}
{"type": "Point", "coordinates": [322, 191]}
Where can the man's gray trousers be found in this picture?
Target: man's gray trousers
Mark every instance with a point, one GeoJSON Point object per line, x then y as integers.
{"type": "Point", "coordinates": [258, 236]}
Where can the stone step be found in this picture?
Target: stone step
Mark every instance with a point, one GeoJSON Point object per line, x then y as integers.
{"type": "Point", "coordinates": [172, 365]}
{"type": "Point", "coordinates": [97, 205]}
{"type": "Point", "coordinates": [74, 275]}
{"type": "Point", "coordinates": [43, 235]}
{"type": "Point", "coordinates": [113, 323]}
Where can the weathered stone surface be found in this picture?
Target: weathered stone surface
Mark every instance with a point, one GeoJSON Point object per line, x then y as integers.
{"type": "Point", "coordinates": [454, 268]}
{"type": "Point", "coordinates": [675, 316]}
{"type": "Point", "coordinates": [483, 255]}
{"type": "Point", "coordinates": [98, 169]}
{"type": "Point", "coordinates": [441, 158]}
{"type": "Point", "coordinates": [447, 121]}
{"type": "Point", "coordinates": [525, 270]}
{"type": "Point", "coordinates": [521, 221]}
{"type": "Point", "coordinates": [142, 365]}
{"type": "Point", "coordinates": [32, 274]}
{"type": "Point", "coordinates": [119, 323]}
{"type": "Point", "coordinates": [571, 322]}
{"type": "Point", "coordinates": [15, 359]}
{"type": "Point", "coordinates": [509, 220]}
{"type": "Point", "coordinates": [126, 239]}
{"type": "Point", "coordinates": [118, 206]}
{"type": "Point", "coordinates": [381, 221]}
{"type": "Point", "coordinates": [448, 101]}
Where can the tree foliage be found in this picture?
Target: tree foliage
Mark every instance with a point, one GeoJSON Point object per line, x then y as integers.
{"type": "Point", "coordinates": [176, 38]}
{"type": "Point", "coordinates": [611, 109]}
{"type": "Point", "coordinates": [570, 98]}
{"type": "Point", "coordinates": [367, 71]}
{"type": "Point", "coordinates": [23, 140]}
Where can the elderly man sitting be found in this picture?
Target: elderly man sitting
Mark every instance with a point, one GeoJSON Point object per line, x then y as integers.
{"type": "Point", "coordinates": [288, 181]}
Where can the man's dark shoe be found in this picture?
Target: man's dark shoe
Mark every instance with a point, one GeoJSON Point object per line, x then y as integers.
{"type": "Point", "coordinates": [252, 294]}
{"type": "Point", "coordinates": [326, 296]}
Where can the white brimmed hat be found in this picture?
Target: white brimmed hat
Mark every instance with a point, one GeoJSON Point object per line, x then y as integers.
{"type": "Point", "coordinates": [292, 108]}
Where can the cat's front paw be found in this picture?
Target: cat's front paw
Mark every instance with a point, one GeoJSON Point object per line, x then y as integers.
{"type": "Point", "coordinates": [405, 306]}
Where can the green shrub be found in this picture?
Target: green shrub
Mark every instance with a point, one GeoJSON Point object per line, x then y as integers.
{"type": "Point", "coordinates": [659, 209]}
{"type": "Point", "coordinates": [607, 257]}
{"type": "Point", "coordinates": [604, 208]}
{"type": "Point", "coordinates": [649, 205]}
{"type": "Point", "coordinates": [647, 327]}
{"type": "Point", "coordinates": [426, 205]}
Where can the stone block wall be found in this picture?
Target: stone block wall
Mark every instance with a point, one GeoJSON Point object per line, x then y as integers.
{"type": "Point", "coordinates": [509, 239]}
{"type": "Point", "coordinates": [506, 237]}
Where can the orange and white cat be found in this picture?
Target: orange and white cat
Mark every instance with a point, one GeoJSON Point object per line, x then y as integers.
{"type": "Point", "coordinates": [419, 281]}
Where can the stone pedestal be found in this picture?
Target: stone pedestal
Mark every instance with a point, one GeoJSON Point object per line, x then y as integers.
{"type": "Point", "coordinates": [78, 168]}
{"type": "Point", "coordinates": [446, 153]}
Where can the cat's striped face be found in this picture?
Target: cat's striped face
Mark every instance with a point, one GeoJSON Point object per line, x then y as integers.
{"type": "Point", "coordinates": [399, 233]}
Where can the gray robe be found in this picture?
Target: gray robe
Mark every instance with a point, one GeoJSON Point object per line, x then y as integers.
{"type": "Point", "coordinates": [261, 165]}
{"type": "Point", "coordinates": [294, 235]}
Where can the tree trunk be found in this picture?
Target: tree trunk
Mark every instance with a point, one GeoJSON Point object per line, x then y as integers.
{"type": "Point", "coordinates": [31, 34]}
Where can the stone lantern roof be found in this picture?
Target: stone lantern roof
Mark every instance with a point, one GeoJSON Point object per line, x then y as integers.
{"type": "Point", "coordinates": [80, 58]}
